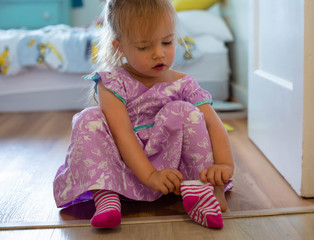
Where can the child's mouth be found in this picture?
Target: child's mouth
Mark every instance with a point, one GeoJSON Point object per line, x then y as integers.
{"type": "Point", "coordinates": [159, 66]}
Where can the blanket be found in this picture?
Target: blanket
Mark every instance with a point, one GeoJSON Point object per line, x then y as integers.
{"type": "Point", "coordinates": [59, 47]}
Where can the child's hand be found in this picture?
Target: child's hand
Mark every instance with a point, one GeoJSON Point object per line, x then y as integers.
{"type": "Point", "coordinates": [167, 181]}
{"type": "Point", "coordinates": [216, 174]}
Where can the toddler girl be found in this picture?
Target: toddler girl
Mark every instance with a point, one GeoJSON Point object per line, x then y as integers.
{"type": "Point", "coordinates": [154, 131]}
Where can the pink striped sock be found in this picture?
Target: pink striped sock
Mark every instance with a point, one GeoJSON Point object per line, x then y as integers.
{"type": "Point", "coordinates": [201, 204]}
{"type": "Point", "coordinates": [108, 210]}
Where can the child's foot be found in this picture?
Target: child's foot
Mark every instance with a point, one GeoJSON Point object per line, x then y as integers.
{"type": "Point", "coordinates": [219, 192]}
{"type": "Point", "coordinates": [201, 204]}
{"type": "Point", "coordinates": [108, 210]}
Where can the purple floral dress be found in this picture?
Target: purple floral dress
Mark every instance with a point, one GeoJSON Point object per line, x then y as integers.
{"type": "Point", "coordinates": [167, 123]}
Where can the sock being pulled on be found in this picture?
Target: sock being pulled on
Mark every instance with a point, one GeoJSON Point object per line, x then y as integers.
{"type": "Point", "coordinates": [201, 204]}
{"type": "Point", "coordinates": [108, 210]}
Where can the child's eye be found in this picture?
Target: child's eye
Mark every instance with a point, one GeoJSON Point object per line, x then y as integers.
{"type": "Point", "coordinates": [167, 43]}
{"type": "Point", "coordinates": [142, 48]}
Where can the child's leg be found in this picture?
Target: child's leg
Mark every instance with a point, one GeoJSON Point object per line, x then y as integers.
{"type": "Point", "coordinates": [108, 210]}
{"type": "Point", "coordinates": [201, 204]}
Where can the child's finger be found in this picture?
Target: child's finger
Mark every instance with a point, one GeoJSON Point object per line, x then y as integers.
{"type": "Point", "coordinates": [211, 177]}
{"type": "Point", "coordinates": [164, 189]}
{"type": "Point", "coordinates": [219, 181]}
{"type": "Point", "coordinates": [177, 192]}
{"type": "Point", "coordinates": [218, 177]}
{"type": "Point", "coordinates": [225, 176]}
{"type": "Point", "coordinates": [169, 185]}
{"type": "Point", "coordinates": [178, 174]}
{"type": "Point", "coordinates": [175, 180]}
{"type": "Point", "coordinates": [203, 176]}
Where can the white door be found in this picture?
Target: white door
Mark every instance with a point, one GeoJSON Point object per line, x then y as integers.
{"type": "Point", "coordinates": [275, 106]}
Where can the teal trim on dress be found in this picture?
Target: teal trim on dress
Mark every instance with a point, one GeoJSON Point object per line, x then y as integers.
{"type": "Point", "coordinates": [96, 78]}
{"type": "Point", "coordinates": [203, 102]}
{"type": "Point", "coordinates": [118, 96]}
{"type": "Point", "coordinates": [145, 126]}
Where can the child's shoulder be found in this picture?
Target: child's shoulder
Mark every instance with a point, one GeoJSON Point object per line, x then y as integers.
{"type": "Point", "coordinates": [115, 73]}
{"type": "Point", "coordinates": [176, 75]}
{"type": "Point", "coordinates": [186, 79]}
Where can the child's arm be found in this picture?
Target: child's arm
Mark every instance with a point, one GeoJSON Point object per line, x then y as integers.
{"type": "Point", "coordinates": [167, 180]}
{"type": "Point", "coordinates": [222, 170]}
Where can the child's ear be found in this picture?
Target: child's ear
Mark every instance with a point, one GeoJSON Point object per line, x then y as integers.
{"type": "Point", "coordinates": [117, 46]}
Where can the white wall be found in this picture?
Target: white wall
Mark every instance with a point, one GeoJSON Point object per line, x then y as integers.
{"type": "Point", "coordinates": [236, 13]}
{"type": "Point", "coordinates": [84, 16]}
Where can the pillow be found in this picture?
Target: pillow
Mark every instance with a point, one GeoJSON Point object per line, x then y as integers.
{"type": "Point", "coordinates": [199, 22]}
{"type": "Point", "coordinates": [182, 5]}
{"type": "Point", "coordinates": [214, 10]}
{"type": "Point", "coordinates": [186, 49]}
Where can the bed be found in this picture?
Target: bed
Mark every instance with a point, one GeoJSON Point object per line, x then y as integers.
{"type": "Point", "coordinates": [50, 77]}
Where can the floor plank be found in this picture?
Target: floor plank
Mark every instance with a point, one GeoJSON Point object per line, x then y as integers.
{"type": "Point", "coordinates": [271, 228]}
{"type": "Point", "coordinates": [33, 145]}
{"type": "Point", "coordinates": [258, 185]}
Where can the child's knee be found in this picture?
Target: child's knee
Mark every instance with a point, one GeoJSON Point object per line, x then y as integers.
{"type": "Point", "coordinates": [191, 113]}
{"type": "Point", "coordinates": [179, 114]}
{"type": "Point", "coordinates": [90, 119]}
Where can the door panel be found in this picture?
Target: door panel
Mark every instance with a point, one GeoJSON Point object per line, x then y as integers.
{"type": "Point", "coordinates": [276, 43]}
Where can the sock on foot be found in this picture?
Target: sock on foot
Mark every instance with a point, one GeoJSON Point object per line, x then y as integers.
{"type": "Point", "coordinates": [201, 204]}
{"type": "Point", "coordinates": [108, 210]}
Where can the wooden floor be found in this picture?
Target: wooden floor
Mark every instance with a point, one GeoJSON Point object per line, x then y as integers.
{"type": "Point", "coordinates": [33, 145]}
{"type": "Point", "coordinates": [293, 227]}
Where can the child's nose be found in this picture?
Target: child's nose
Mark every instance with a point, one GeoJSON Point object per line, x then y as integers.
{"type": "Point", "coordinates": [158, 52]}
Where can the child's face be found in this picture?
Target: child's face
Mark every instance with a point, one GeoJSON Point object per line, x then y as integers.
{"type": "Point", "coordinates": [150, 56]}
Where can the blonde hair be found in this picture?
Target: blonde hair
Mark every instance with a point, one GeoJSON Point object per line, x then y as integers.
{"type": "Point", "coordinates": [119, 19]}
